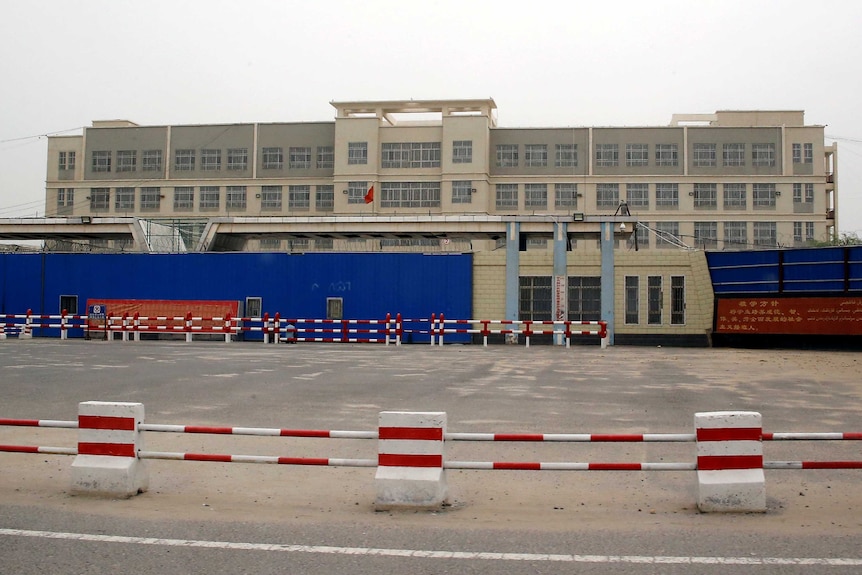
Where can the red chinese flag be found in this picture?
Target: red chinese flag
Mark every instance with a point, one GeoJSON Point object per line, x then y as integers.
{"type": "Point", "coordinates": [369, 197]}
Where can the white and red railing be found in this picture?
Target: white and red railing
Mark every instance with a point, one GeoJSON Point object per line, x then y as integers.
{"type": "Point", "coordinates": [565, 329]}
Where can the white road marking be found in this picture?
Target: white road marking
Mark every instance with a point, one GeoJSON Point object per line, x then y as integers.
{"type": "Point", "coordinates": [418, 553]}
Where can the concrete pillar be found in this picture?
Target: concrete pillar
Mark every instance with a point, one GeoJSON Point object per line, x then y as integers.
{"type": "Point", "coordinates": [561, 282]}
{"type": "Point", "coordinates": [730, 461]}
{"type": "Point", "coordinates": [107, 463]}
{"type": "Point", "coordinates": [410, 470]}
{"type": "Point", "coordinates": [513, 263]}
{"type": "Point", "coordinates": [608, 241]}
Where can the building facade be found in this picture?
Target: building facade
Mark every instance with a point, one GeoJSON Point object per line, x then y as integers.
{"type": "Point", "coordinates": [731, 180]}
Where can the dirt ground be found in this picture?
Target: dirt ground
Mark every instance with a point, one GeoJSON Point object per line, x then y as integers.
{"type": "Point", "coordinates": [798, 501]}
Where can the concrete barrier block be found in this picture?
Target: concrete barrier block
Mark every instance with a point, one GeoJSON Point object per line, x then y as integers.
{"type": "Point", "coordinates": [410, 471]}
{"type": "Point", "coordinates": [730, 462]}
{"type": "Point", "coordinates": [107, 463]}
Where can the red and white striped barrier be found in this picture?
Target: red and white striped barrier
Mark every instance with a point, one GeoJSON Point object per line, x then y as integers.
{"type": "Point", "coordinates": [411, 464]}
{"type": "Point", "coordinates": [730, 461]}
{"type": "Point", "coordinates": [513, 328]}
{"type": "Point", "coordinates": [108, 443]}
{"type": "Point", "coordinates": [63, 321]}
{"type": "Point", "coordinates": [410, 470]}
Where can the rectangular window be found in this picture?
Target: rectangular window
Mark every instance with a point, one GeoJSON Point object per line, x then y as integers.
{"type": "Point", "coordinates": [797, 153]}
{"type": "Point", "coordinates": [66, 161]}
{"type": "Point", "coordinates": [273, 158]}
{"type": "Point", "coordinates": [462, 192]}
{"type": "Point", "coordinates": [704, 155]}
{"type": "Point", "coordinates": [409, 195]}
{"type": "Point", "coordinates": [642, 234]}
{"type": "Point", "coordinates": [356, 192]}
{"type": "Point", "coordinates": [706, 235]}
{"type": "Point", "coordinates": [507, 155]}
{"type": "Point", "coordinates": [677, 300]}
{"type": "Point", "coordinates": [323, 244]}
{"type": "Point", "coordinates": [299, 158]}
{"type": "Point", "coordinates": [411, 155]}
{"type": "Point", "coordinates": [151, 199]}
{"type": "Point", "coordinates": [209, 198]}
{"type": "Point", "coordinates": [184, 160]}
{"type": "Point", "coordinates": [666, 196]}
{"type": "Point", "coordinates": [535, 155]}
{"type": "Point", "coordinates": [667, 234]}
{"type": "Point", "coordinates": [607, 155]}
{"type": "Point", "coordinates": [236, 198]}
{"type": "Point", "coordinates": [534, 302]}
{"type": "Point", "coordinates": [763, 196]}
{"type": "Point", "coordinates": [357, 153]}
{"type": "Point", "coordinates": [733, 154]}
{"type": "Point", "coordinates": [270, 244]}
{"type": "Point", "coordinates": [654, 300]}
{"type": "Point", "coordinates": [184, 198]}
{"type": "Point", "coordinates": [506, 196]}
{"type": "Point", "coordinates": [211, 160]}
{"type": "Point", "coordinates": [325, 157]}
{"type": "Point", "coordinates": [566, 156]}
{"type": "Point", "coordinates": [735, 196]}
{"type": "Point", "coordinates": [152, 161]}
{"type": "Point", "coordinates": [637, 155]}
{"type": "Point", "coordinates": [809, 193]}
{"type": "Point", "coordinates": [127, 160]}
{"type": "Point", "coordinates": [797, 231]}
{"type": "Point", "coordinates": [270, 198]}
{"type": "Point", "coordinates": [100, 199]}
{"type": "Point", "coordinates": [797, 193]}
{"type": "Point", "coordinates": [462, 152]}
{"type": "Point", "coordinates": [335, 308]}
{"type": "Point", "coordinates": [809, 231]}
{"type": "Point", "coordinates": [735, 235]}
{"type": "Point", "coordinates": [124, 199]}
{"type": "Point", "coordinates": [765, 234]}
{"type": "Point", "coordinates": [808, 153]}
{"type": "Point", "coordinates": [607, 195]}
{"type": "Point", "coordinates": [101, 161]}
{"type": "Point", "coordinates": [69, 304]}
{"type": "Point", "coordinates": [237, 159]}
{"type": "Point", "coordinates": [632, 300]}
{"type": "Point", "coordinates": [536, 196]}
{"type": "Point", "coordinates": [705, 196]}
{"type": "Point", "coordinates": [585, 298]}
{"type": "Point", "coordinates": [299, 198]}
{"type": "Point", "coordinates": [566, 195]}
{"type": "Point", "coordinates": [666, 155]}
{"type": "Point", "coordinates": [324, 198]}
{"type": "Point", "coordinates": [763, 154]}
{"type": "Point", "coordinates": [65, 198]}
{"type": "Point", "coordinates": [637, 195]}
{"type": "Point", "coordinates": [253, 307]}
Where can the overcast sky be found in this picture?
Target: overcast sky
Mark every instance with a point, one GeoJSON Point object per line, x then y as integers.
{"type": "Point", "coordinates": [569, 63]}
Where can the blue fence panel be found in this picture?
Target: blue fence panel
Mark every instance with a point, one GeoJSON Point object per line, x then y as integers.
{"type": "Point", "coordinates": [371, 285]}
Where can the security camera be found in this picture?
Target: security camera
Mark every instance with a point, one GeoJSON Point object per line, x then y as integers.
{"type": "Point", "coordinates": [623, 227]}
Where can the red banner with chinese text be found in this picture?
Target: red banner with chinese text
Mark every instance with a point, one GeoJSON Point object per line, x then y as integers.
{"type": "Point", "coordinates": [789, 315]}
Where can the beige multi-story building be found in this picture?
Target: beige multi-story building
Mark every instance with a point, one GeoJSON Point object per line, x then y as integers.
{"type": "Point", "coordinates": [724, 181]}
{"type": "Point", "coordinates": [729, 180]}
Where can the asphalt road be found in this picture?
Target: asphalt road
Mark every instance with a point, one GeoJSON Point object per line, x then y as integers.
{"type": "Point", "coordinates": [232, 518]}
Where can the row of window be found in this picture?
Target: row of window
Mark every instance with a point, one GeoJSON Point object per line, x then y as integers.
{"type": "Point", "coordinates": [185, 160]}
{"type": "Point", "coordinates": [637, 195]}
{"type": "Point", "coordinates": [428, 155]}
{"type": "Point", "coordinates": [507, 196]}
{"type": "Point", "coordinates": [735, 234]}
{"type": "Point", "coordinates": [584, 299]}
{"type": "Point", "coordinates": [206, 198]}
